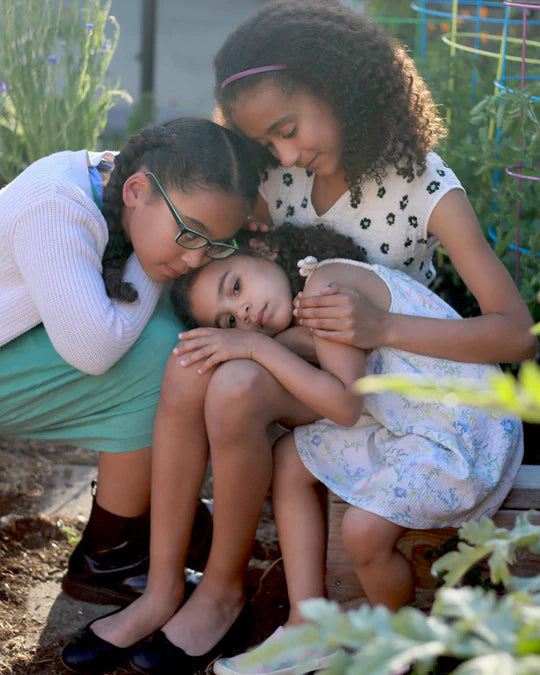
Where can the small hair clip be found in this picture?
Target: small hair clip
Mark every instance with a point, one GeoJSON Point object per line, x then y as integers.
{"type": "Point", "coordinates": [307, 265]}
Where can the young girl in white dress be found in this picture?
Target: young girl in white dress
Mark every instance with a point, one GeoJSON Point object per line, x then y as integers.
{"type": "Point", "coordinates": [399, 463]}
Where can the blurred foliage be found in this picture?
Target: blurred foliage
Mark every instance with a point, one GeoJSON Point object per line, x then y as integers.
{"type": "Point", "coordinates": [490, 130]}
{"type": "Point", "coordinates": [468, 630]}
{"type": "Point", "coordinates": [54, 90]}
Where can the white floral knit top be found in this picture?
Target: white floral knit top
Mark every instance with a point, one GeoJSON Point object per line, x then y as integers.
{"type": "Point", "coordinates": [390, 222]}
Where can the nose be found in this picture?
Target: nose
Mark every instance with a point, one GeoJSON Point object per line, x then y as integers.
{"type": "Point", "coordinates": [195, 257]}
{"type": "Point", "coordinates": [245, 312]}
{"type": "Point", "coordinates": [287, 152]}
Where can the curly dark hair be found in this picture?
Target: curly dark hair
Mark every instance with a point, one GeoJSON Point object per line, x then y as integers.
{"type": "Point", "coordinates": [285, 245]}
{"type": "Point", "coordinates": [185, 153]}
{"type": "Point", "coordinates": [385, 111]}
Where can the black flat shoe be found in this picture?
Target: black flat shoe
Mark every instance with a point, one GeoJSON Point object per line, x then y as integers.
{"type": "Point", "coordinates": [157, 655]}
{"type": "Point", "coordinates": [88, 653]}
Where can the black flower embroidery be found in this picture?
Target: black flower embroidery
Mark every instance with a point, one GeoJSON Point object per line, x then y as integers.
{"type": "Point", "coordinates": [365, 223]}
{"type": "Point", "coordinates": [441, 172]}
{"type": "Point", "coordinates": [290, 211]}
{"type": "Point", "coordinates": [403, 202]}
{"type": "Point", "coordinates": [413, 221]}
{"type": "Point", "coordinates": [421, 241]}
{"type": "Point", "coordinates": [304, 203]}
{"type": "Point", "coordinates": [408, 261]}
{"type": "Point", "coordinates": [287, 179]}
{"type": "Point", "coordinates": [278, 203]}
{"type": "Point", "coordinates": [408, 242]}
{"type": "Point", "coordinates": [433, 186]}
{"type": "Point", "coordinates": [429, 274]}
{"type": "Point", "coordinates": [445, 164]}
{"type": "Point", "coordinates": [422, 265]}
{"type": "Point", "coordinates": [391, 218]}
{"type": "Point", "coordinates": [309, 173]}
{"type": "Point", "coordinates": [381, 192]}
{"type": "Point", "coordinates": [385, 248]}
{"type": "Point", "coordinates": [364, 251]}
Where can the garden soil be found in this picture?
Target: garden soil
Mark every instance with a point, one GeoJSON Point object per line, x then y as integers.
{"type": "Point", "coordinates": [39, 526]}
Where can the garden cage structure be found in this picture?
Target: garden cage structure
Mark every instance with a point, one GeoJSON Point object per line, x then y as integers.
{"type": "Point", "coordinates": [494, 31]}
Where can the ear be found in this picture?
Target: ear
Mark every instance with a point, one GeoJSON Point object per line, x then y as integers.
{"type": "Point", "coordinates": [136, 187]}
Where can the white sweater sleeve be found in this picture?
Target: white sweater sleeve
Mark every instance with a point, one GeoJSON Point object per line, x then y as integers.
{"type": "Point", "coordinates": [58, 247]}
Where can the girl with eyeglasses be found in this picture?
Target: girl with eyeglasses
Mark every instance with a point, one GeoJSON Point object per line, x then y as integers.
{"type": "Point", "coordinates": [89, 242]}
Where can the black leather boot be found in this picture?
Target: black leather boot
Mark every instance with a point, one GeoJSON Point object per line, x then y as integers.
{"type": "Point", "coordinates": [110, 563]}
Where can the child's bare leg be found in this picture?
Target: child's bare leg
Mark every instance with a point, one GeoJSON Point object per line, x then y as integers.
{"type": "Point", "coordinates": [300, 518]}
{"type": "Point", "coordinates": [124, 482]}
{"type": "Point", "coordinates": [242, 400]}
{"type": "Point", "coordinates": [178, 467]}
{"type": "Point", "coordinates": [383, 571]}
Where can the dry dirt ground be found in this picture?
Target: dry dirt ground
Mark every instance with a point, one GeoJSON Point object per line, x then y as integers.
{"type": "Point", "coordinates": [36, 619]}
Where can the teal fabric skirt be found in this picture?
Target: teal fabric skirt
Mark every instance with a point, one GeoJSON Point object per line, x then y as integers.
{"type": "Point", "coordinates": [43, 397]}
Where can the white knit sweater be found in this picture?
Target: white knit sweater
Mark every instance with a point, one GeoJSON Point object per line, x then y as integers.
{"type": "Point", "coordinates": [52, 239]}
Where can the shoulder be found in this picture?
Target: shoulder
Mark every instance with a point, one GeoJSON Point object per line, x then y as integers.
{"type": "Point", "coordinates": [352, 275]}
{"type": "Point", "coordinates": [340, 271]}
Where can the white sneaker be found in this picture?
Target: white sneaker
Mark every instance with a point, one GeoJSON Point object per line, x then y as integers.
{"type": "Point", "coordinates": [306, 662]}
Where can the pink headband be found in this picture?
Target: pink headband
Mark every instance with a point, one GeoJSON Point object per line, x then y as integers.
{"type": "Point", "coordinates": [250, 71]}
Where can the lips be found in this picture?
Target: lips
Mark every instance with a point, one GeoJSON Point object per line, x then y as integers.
{"type": "Point", "coordinates": [310, 164]}
{"type": "Point", "coordinates": [262, 317]}
{"type": "Point", "coordinates": [172, 272]}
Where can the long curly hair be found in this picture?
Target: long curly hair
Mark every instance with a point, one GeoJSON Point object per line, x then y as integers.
{"type": "Point", "coordinates": [385, 111]}
{"type": "Point", "coordinates": [185, 154]}
{"type": "Point", "coordinates": [285, 245]}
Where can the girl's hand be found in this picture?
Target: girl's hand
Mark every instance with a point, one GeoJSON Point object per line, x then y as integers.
{"type": "Point", "coordinates": [215, 345]}
{"type": "Point", "coordinates": [342, 315]}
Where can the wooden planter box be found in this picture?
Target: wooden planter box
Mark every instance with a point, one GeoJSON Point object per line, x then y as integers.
{"type": "Point", "coordinates": [420, 546]}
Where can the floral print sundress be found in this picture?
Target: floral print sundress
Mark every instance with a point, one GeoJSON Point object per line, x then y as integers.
{"type": "Point", "coordinates": [419, 465]}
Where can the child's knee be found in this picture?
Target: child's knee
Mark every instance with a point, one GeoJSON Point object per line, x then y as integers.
{"type": "Point", "coordinates": [182, 388]}
{"type": "Point", "coordinates": [362, 536]}
{"type": "Point", "coordinates": [235, 394]}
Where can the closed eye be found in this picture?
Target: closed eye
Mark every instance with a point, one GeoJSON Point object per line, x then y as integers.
{"type": "Point", "coordinates": [290, 134]}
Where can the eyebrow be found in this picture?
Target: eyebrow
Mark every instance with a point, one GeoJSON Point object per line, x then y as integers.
{"type": "Point", "coordinates": [220, 293]}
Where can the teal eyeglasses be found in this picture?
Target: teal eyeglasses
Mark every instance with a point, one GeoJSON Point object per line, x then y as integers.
{"type": "Point", "coordinates": [189, 238]}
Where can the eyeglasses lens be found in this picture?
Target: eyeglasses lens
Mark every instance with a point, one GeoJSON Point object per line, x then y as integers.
{"type": "Point", "coordinates": [189, 239]}
{"type": "Point", "coordinates": [218, 252]}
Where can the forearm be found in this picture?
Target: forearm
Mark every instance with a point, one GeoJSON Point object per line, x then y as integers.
{"type": "Point", "coordinates": [491, 338]}
{"type": "Point", "coordinates": [315, 388]}
{"type": "Point", "coordinates": [300, 341]}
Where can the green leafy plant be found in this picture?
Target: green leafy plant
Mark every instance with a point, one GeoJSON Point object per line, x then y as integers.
{"type": "Point", "coordinates": [489, 130]}
{"type": "Point", "coordinates": [519, 396]}
{"type": "Point", "coordinates": [54, 92]}
{"type": "Point", "coordinates": [468, 630]}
